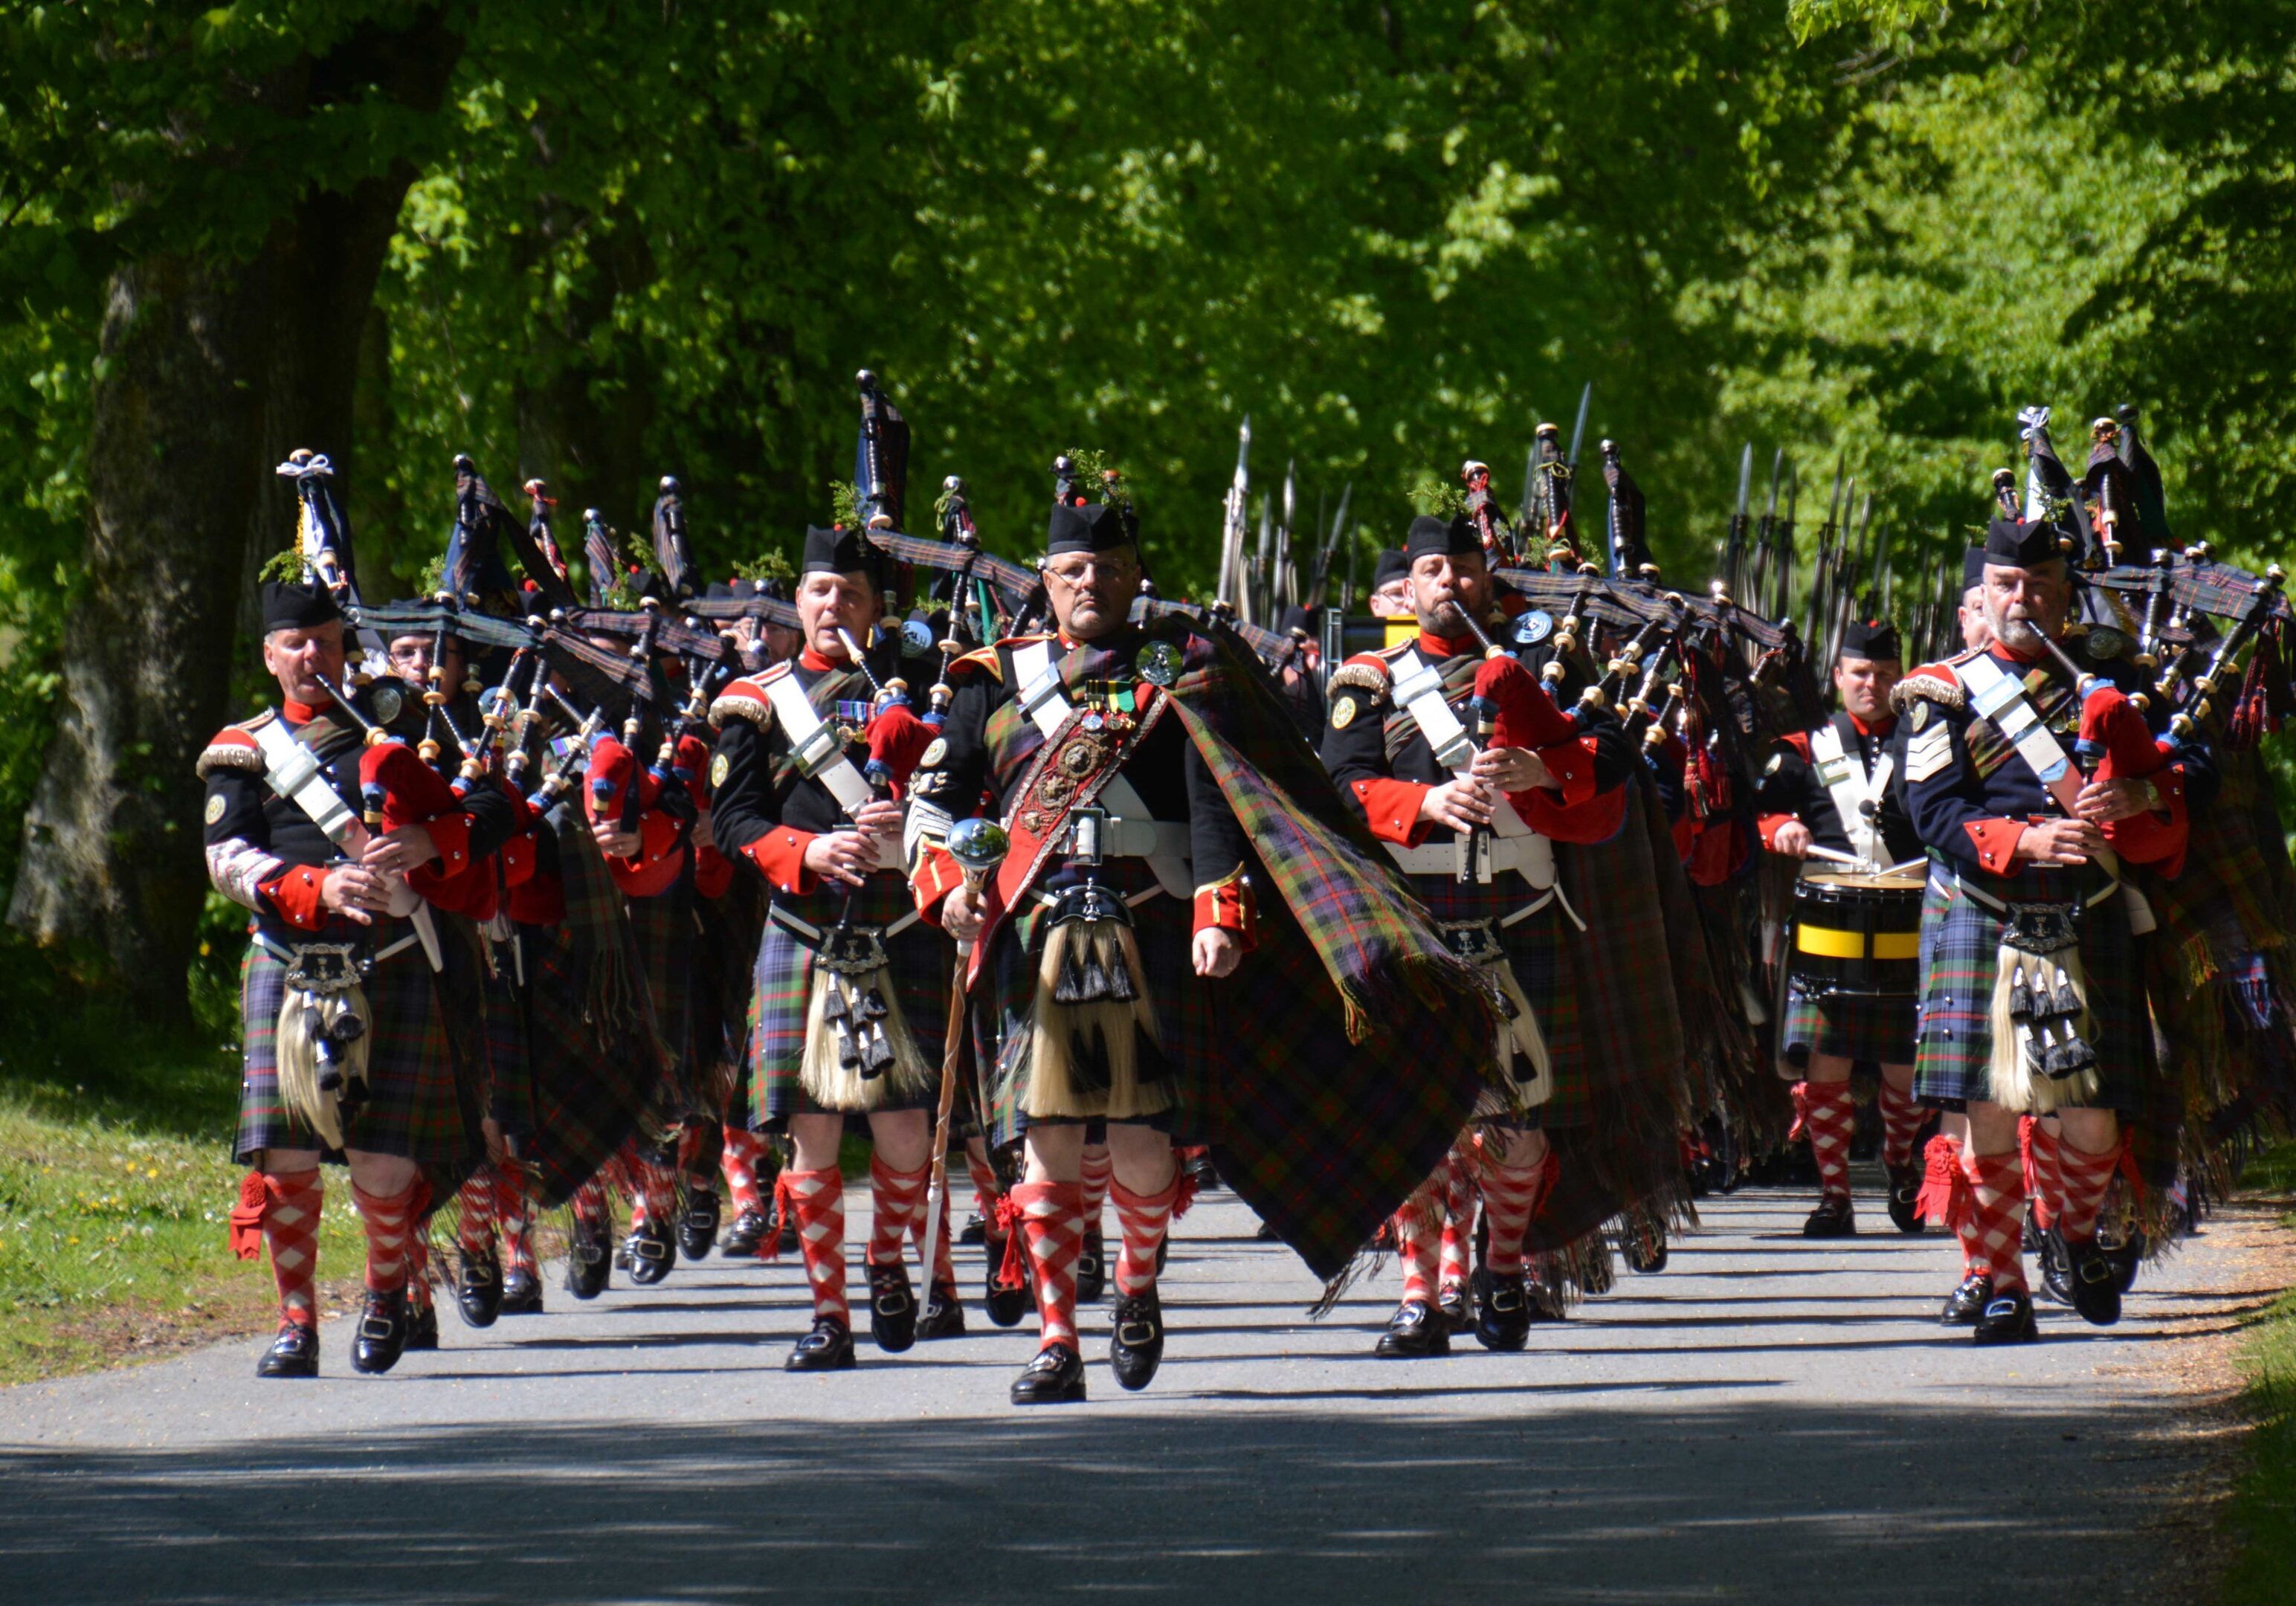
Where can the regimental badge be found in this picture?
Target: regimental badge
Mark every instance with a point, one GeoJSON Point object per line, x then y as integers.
{"type": "Point", "coordinates": [1158, 664]}
{"type": "Point", "coordinates": [215, 808]}
{"type": "Point", "coordinates": [1533, 627]}
{"type": "Point", "coordinates": [387, 700]}
{"type": "Point", "coordinates": [1082, 756]}
{"type": "Point", "coordinates": [934, 754]}
{"type": "Point", "coordinates": [1777, 760]}
{"type": "Point", "coordinates": [1032, 822]}
{"type": "Point", "coordinates": [1920, 716]}
{"type": "Point", "coordinates": [1344, 713]}
{"type": "Point", "coordinates": [719, 768]}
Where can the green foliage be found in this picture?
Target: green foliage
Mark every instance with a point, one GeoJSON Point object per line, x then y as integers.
{"type": "Point", "coordinates": [283, 567]}
{"type": "Point", "coordinates": [1097, 474]}
{"type": "Point", "coordinates": [771, 564]}
{"type": "Point", "coordinates": [844, 505]}
{"type": "Point", "coordinates": [1438, 498]}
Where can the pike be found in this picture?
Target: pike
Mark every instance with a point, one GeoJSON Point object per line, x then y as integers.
{"type": "Point", "coordinates": [1829, 558]}
{"type": "Point", "coordinates": [1232, 527]}
{"type": "Point", "coordinates": [1781, 563]}
{"type": "Point", "coordinates": [1287, 572]}
{"type": "Point", "coordinates": [1322, 580]}
{"type": "Point", "coordinates": [1734, 546]}
{"type": "Point", "coordinates": [1756, 583]}
{"type": "Point", "coordinates": [598, 550]}
{"type": "Point", "coordinates": [1258, 589]}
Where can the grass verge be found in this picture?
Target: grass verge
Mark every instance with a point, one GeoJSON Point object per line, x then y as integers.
{"type": "Point", "coordinates": [2262, 1519]}
{"type": "Point", "coordinates": [115, 1182]}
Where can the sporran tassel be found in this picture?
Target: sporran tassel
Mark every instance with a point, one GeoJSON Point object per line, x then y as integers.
{"type": "Point", "coordinates": [2041, 1059]}
{"type": "Point", "coordinates": [1095, 1049]}
{"type": "Point", "coordinates": [859, 1050]}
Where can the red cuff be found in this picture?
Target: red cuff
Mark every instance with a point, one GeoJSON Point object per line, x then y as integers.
{"type": "Point", "coordinates": [295, 894]}
{"type": "Point", "coordinates": [934, 878]}
{"type": "Point", "coordinates": [780, 854]}
{"type": "Point", "coordinates": [1228, 904]}
{"type": "Point", "coordinates": [1392, 807]}
{"type": "Point", "coordinates": [1996, 843]}
{"type": "Point", "coordinates": [1770, 825]}
{"type": "Point", "coordinates": [1572, 763]}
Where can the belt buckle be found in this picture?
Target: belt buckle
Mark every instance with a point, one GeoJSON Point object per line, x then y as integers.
{"type": "Point", "coordinates": [1473, 940]}
{"type": "Point", "coordinates": [1087, 835]}
{"type": "Point", "coordinates": [853, 950]}
{"type": "Point", "coordinates": [323, 967]}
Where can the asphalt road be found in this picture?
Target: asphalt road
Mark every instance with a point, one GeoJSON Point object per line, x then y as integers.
{"type": "Point", "coordinates": [1767, 1420]}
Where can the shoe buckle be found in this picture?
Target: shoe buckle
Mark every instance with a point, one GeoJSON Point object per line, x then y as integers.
{"type": "Point", "coordinates": [893, 1301]}
{"type": "Point", "coordinates": [1131, 1335]}
{"type": "Point", "coordinates": [1506, 1299]}
{"type": "Point", "coordinates": [2004, 1306]}
{"type": "Point", "coordinates": [648, 1249]}
{"type": "Point", "coordinates": [2093, 1268]}
{"type": "Point", "coordinates": [378, 1328]}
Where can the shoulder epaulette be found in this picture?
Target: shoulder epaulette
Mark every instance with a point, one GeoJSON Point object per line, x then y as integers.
{"type": "Point", "coordinates": [1366, 672]}
{"type": "Point", "coordinates": [234, 747]}
{"type": "Point", "coordinates": [744, 698]}
{"type": "Point", "coordinates": [983, 660]}
{"type": "Point", "coordinates": [1932, 683]}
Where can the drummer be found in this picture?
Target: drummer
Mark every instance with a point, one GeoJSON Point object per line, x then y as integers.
{"type": "Point", "coordinates": [1830, 797]}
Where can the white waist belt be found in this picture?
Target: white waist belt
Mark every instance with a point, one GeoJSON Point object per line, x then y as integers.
{"type": "Point", "coordinates": [1529, 855]}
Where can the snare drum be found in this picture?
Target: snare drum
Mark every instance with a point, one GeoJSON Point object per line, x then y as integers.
{"type": "Point", "coordinates": [1857, 936]}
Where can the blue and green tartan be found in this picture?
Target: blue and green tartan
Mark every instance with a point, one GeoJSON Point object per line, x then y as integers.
{"type": "Point", "coordinates": [413, 1108]}
{"type": "Point", "coordinates": [1961, 943]}
{"type": "Point", "coordinates": [1543, 968]}
{"type": "Point", "coordinates": [920, 959]}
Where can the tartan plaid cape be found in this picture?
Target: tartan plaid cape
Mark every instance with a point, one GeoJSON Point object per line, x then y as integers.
{"type": "Point", "coordinates": [1355, 1052]}
{"type": "Point", "coordinates": [2219, 975]}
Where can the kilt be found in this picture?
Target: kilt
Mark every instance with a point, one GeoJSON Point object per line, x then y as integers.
{"type": "Point", "coordinates": [664, 929]}
{"type": "Point", "coordinates": [413, 1108]}
{"type": "Point", "coordinates": [1960, 945]}
{"type": "Point", "coordinates": [921, 960]}
{"type": "Point", "coordinates": [1165, 929]}
{"type": "Point", "coordinates": [510, 1079]}
{"type": "Point", "coordinates": [1847, 1025]}
{"type": "Point", "coordinates": [1542, 965]}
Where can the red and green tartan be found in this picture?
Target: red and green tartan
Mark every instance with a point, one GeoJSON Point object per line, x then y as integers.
{"type": "Point", "coordinates": [413, 1109]}
{"type": "Point", "coordinates": [1543, 967]}
{"type": "Point", "coordinates": [596, 1065]}
{"type": "Point", "coordinates": [1847, 1026]}
{"type": "Point", "coordinates": [1961, 943]}
{"type": "Point", "coordinates": [510, 1081]}
{"type": "Point", "coordinates": [664, 930]}
{"type": "Point", "coordinates": [921, 961]}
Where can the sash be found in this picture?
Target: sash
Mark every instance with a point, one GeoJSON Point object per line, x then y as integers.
{"type": "Point", "coordinates": [1512, 844]}
{"type": "Point", "coordinates": [1857, 796]}
{"type": "Point", "coordinates": [2000, 697]}
{"type": "Point", "coordinates": [294, 772]}
{"type": "Point", "coordinates": [815, 746]}
{"type": "Point", "coordinates": [1076, 770]}
{"type": "Point", "coordinates": [1044, 698]}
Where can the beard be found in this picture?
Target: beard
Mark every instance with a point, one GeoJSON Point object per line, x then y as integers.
{"type": "Point", "coordinates": [2018, 630]}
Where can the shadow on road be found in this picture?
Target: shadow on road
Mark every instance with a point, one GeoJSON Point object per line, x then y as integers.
{"type": "Point", "coordinates": [1562, 1500]}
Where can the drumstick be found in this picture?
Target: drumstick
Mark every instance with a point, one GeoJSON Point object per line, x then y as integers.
{"type": "Point", "coordinates": [1850, 859]}
{"type": "Point", "coordinates": [1919, 864]}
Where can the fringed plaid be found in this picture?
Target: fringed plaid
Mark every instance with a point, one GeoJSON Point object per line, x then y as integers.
{"type": "Point", "coordinates": [663, 928]}
{"type": "Point", "coordinates": [597, 1066]}
{"type": "Point", "coordinates": [413, 1108]}
{"type": "Point", "coordinates": [1351, 1041]}
{"type": "Point", "coordinates": [1961, 942]}
{"type": "Point", "coordinates": [1744, 1088]}
{"type": "Point", "coordinates": [921, 960]}
{"type": "Point", "coordinates": [1540, 956]}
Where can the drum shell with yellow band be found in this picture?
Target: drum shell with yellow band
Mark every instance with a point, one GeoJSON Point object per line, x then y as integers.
{"type": "Point", "coordinates": [1853, 974]}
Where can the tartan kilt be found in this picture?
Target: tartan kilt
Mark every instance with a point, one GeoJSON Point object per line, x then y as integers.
{"type": "Point", "coordinates": [502, 1016]}
{"type": "Point", "coordinates": [1960, 944]}
{"type": "Point", "coordinates": [664, 929]}
{"type": "Point", "coordinates": [1165, 929]}
{"type": "Point", "coordinates": [413, 1108]}
{"type": "Point", "coordinates": [921, 960]}
{"type": "Point", "coordinates": [1847, 1026]}
{"type": "Point", "coordinates": [1542, 965]}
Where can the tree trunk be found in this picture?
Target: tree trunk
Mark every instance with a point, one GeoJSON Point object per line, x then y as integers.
{"type": "Point", "coordinates": [212, 372]}
{"type": "Point", "coordinates": [111, 868]}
